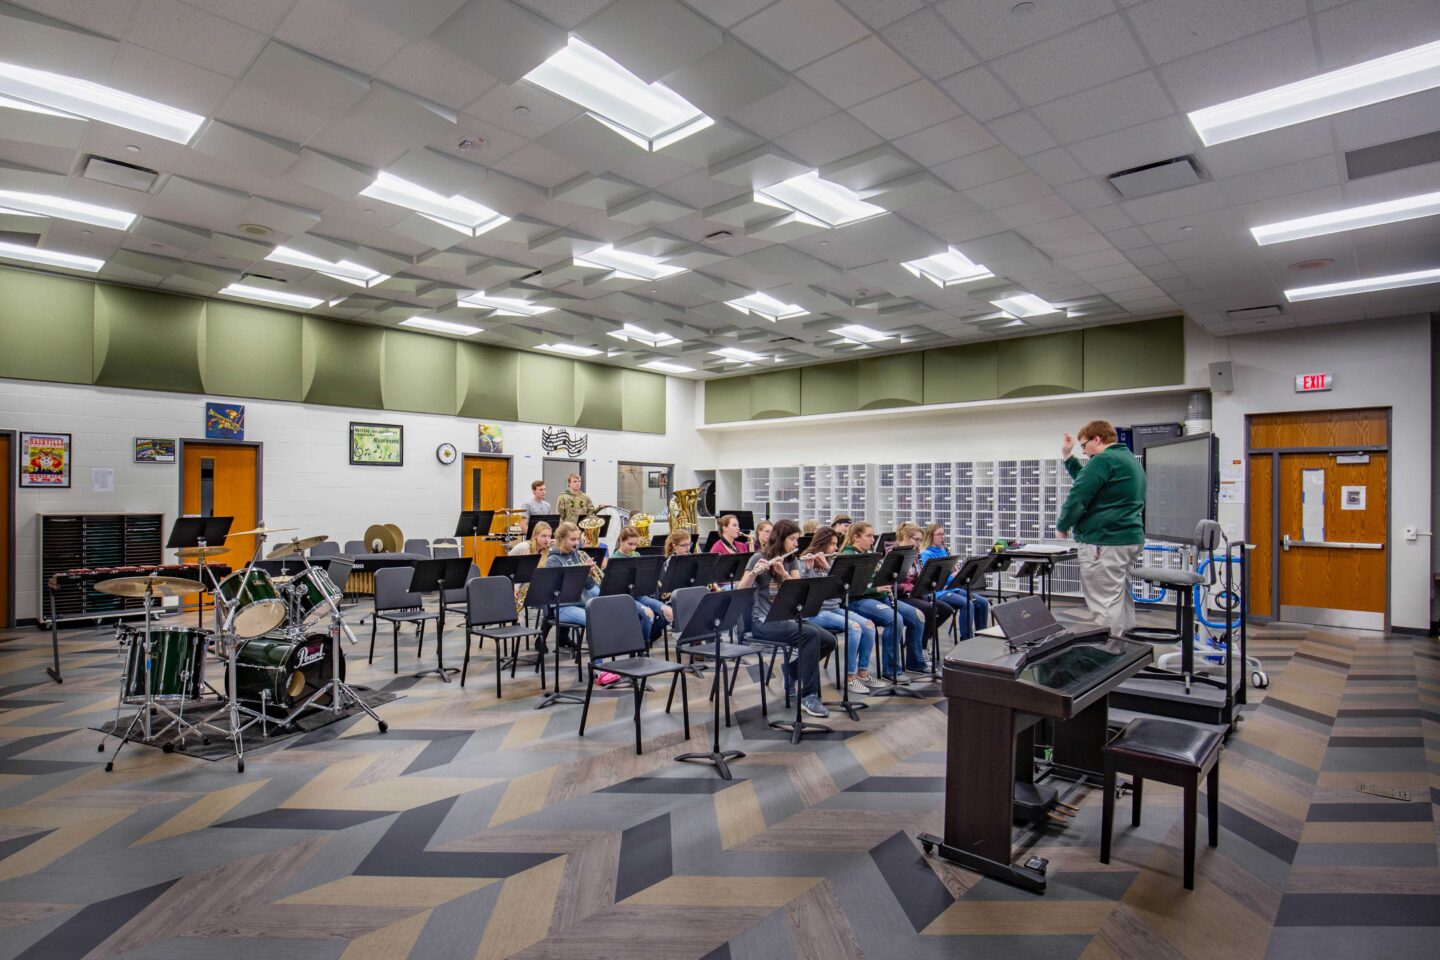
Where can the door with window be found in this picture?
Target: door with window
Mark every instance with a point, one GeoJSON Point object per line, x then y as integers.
{"type": "Point", "coordinates": [220, 479]}
{"type": "Point", "coordinates": [485, 485]}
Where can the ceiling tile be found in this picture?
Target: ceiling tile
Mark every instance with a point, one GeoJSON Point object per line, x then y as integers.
{"type": "Point", "coordinates": [1086, 57]}
{"type": "Point", "coordinates": [925, 41]}
{"type": "Point", "coordinates": [993, 29]}
{"type": "Point", "coordinates": [725, 79]}
{"type": "Point", "coordinates": [1258, 62]}
{"type": "Point", "coordinates": [1035, 212]}
{"type": "Point", "coordinates": [1366, 29]}
{"type": "Point", "coordinates": [859, 72]}
{"type": "Point", "coordinates": [788, 109]}
{"type": "Point", "coordinates": [1135, 146]}
{"type": "Point", "coordinates": [651, 38]}
{"type": "Point", "coordinates": [838, 135]}
{"type": "Point", "coordinates": [429, 70]}
{"type": "Point", "coordinates": [246, 149]}
{"type": "Point", "coordinates": [1021, 133]}
{"type": "Point", "coordinates": [414, 19]}
{"type": "Point", "coordinates": [793, 33]}
{"type": "Point", "coordinates": [170, 81]}
{"type": "Point", "coordinates": [333, 30]}
{"type": "Point", "coordinates": [916, 106]}
{"type": "Point", "coordinates": [1010, 191]}
{"type": "Point", "coordinates": [502, 39]}
{"type": "Point", "coordinates": [1106, 108]}
{"type": "Point", "coordinates": [728, 12]}
{"type": "Point", "coordinates": [878, 13]}
{"type": "Point", "coordinates": [1171, 29]}
{"type": "Point", "coordinates": [982, 96]}
{"type": "Point", "coordinates": [590, 143]}
{"type": "Point", "coordinates": [997, 163]}
{"type": "Point", "coordinates": [946, 141]}
{"type": "Point", "coordinates": [1056, 166]}
{"type": "Point", "coordinates": [535, 164]}
{"type": "Point", "coordinates": [185, 33]}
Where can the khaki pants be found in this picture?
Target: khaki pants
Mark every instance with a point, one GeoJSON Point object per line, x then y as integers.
{"type": "Point", "coordinates": [1105, 582]}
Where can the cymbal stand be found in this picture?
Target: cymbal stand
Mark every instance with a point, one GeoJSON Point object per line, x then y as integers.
{"type": "Point", "coordinates": [233, 707]}
{"type": "Point", "coordinates": [342, 695]}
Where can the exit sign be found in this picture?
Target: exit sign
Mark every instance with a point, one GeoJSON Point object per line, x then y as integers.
{"type": "Point", "coordinates": [1311, 382]}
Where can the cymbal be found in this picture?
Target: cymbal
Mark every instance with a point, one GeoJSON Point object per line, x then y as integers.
{"type": "Point", "coordinates": [295, 547]}
{"type": "Point", "coordinates": [195, 553]}
{"type": "Point", "coordinates": [155, 586]}
{"type": "Point", "coordinates": [264, 530]}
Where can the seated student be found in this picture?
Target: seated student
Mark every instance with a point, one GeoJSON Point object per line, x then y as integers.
{"type": "Point", "coordinates": [762, 534]}
{"type": "Point", "coordinates": [565, 552]}
{"type": "Point", "coordinates": [656, 613]}
{"type": "Point", "coordinates": [811, 644]}
{"type": "Point", "coordinates": [936, 613]}
{"type": "Point", "coordinates": [841, 525]}
{"type": "Point", "coordinates": [538, 545]}
{"type": "Point", "coordinates": [815, 562]}
{"type": "Point", "coordinates": [954, 596]}
{"type": "Point", "coordinates": [809, 527]}
{"type": "Point", "coordinates": [729, 541]}
{"type": "Point", "coordinates": [874, 605]}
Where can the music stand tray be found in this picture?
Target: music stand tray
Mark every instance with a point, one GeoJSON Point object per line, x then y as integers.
{"type": "Point", "coordinates": [716, 615]}
{"type": "Point", "coordinates": [189, 531]}
{"type": "Point", "coordinates": [439, 575]}
{"type": "Point", "coordinates": [730, 567]}
{"type": "Point", "coordinates": [632, 576]}
{"type": "Point", "coordinates": [519, 568]}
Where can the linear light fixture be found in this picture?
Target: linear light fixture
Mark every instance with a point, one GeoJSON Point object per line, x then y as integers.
{"type": "Point", "coordinates": [1368, 285]}
{"type": "Point", "coordinates": [10, 103]}
{"type": "Point", "coordinates": [460, 214]}
{"type": "Point", "coordinates": [47, 205]}
{"type": "Point", "coordinates": [338, 269]}
{"type": "Point", "coordinates": [440, 326]}
{"type": "Point", "coordinates": [1353, 218]}
{"type": "Point", "coordinates": [49, 258]}
{"type": "Point", "coordinates": [504, 306]}
{"type": "Point", "coordinates": [665, 367]}
{"type": "Point", "coordinates": [1025, 305]}
{"type": "Point", "coordinates": [570, 349]}
{"type": "Point", "coordinates": [764, 305]}
{"type": "Point", "coordinates": [738, 355]}
{"type": "Point", "coordinates": [859, 333]}
{"type": "Point", "coordinates": [1358, 85]}
{"type": "Point", "coordinates": [650, 115]}
{"type": "Point", "coordinates": [83, 98]}
{"type": "Point", "coordinates": [821, 202]}
{"type": "Point", "coordinates": [945, 269]}
{"type": "Point", "coordinates": [627, 265]}
{"type": "Point", "coordinates": [247, 292]}
{"type": "Point", "coordinates": [631, 332]}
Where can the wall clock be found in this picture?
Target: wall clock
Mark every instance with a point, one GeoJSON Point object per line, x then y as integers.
{"type": "Point", "coordinates": [445, 453]}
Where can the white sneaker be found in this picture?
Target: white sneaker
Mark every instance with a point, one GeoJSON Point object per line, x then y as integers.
{"type": "Point", "coordinates": [857, 686]}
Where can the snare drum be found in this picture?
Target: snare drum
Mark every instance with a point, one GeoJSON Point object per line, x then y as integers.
{"type": "Point", "coordinates": [312, 591]}
{"type": "Point", "coordinates": [282, 671]}
{"type": "Point", "coordinates": [252, 604]}
{"type": "Point", "coordinates": [177, 663]}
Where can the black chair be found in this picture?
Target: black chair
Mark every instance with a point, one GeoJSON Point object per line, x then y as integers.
{"type": "Point", "coordinates": [355, 547]}
{"type": "Point", "coordinates": [455, 599]}
{"type": "Point", "coordinates": [612, 626]}
{"type": "Point", "coordinates": [490, 612]}
{"type": "Point", "coordinates": [395, 604]}
{"type": "Point", "coordinates": [683, 602]}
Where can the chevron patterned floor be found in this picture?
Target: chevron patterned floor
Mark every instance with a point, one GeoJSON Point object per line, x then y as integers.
{"type": "Point", "coordinates": [481, 828]}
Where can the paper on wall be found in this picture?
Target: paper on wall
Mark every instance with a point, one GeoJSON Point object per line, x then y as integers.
{"type": "Point", "coordinates": [1312, 505]}
{"type": "Point", "coordinates": [102, 479]}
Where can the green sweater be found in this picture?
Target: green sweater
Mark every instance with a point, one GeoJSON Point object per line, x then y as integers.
{"type": "Point", "coordinates": [1106, 499]}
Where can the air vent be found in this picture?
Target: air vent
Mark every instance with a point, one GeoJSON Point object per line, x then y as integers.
{"type": "Point", "coordinates": [1255, 313]}
{"type": "Point", "coordinates": [1395, 155]}
{"type": "Point", "coordinates": [119, 173]}
{"type": "Point", "coordinates": [1155, 178]}
{"type": "Point", "coordinates": [263, 276]}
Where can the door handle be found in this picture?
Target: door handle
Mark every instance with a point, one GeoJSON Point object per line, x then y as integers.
{"type": "Point", "coordinates": [1286, 543]}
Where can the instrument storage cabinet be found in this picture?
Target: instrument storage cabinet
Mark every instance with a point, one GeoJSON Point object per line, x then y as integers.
{"type": "Point", "coordinates": [86, 540]}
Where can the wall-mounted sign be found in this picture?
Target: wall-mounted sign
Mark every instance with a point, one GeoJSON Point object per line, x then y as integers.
{"type": "Point", "coordinates": [1313, 382]}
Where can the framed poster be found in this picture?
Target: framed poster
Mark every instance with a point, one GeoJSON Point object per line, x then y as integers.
{"type": "Point", "coordinates": [44, 460]}
{"type": "Point", "coordinates": [154, 450]}
{"type": "Point", "coordinates": [224, 421]}
{"type": "Point", "coordinates": [377, 444]}
{"type": "Point", "coordinates": [492, 438]}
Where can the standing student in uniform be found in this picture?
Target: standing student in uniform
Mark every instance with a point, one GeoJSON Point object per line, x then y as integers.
{"type": "Point", "coordinates": [1104, 511]}
{"type": "Point", "coordinates": [574, 503]}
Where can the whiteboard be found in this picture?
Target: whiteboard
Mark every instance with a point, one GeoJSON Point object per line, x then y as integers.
{"type": "Point", "coordinates": [1180, 487]}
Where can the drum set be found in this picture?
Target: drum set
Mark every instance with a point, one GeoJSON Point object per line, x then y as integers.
{"type": "Point", "coordinates": [278, 638]}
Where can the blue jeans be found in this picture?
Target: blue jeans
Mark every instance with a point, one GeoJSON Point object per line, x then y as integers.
{"type": "Point", "coordinates": [857, 641]}
{"type": "Point", "coordinates": [574, 613]}
{"type": "Point", "coordinates": [957, 599]}
{"type": "Point", "coordinates": [879, 613]}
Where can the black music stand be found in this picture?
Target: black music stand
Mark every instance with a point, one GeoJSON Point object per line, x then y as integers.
{"type": "Point", "coordinates": [474, 523]}
{"type": "Point", "coordinates": [891, 571]}
{"type": "Point", "coordinates": [594, 553]}
{"type": "Point", "coordinates": [746, 518]}
{"type": "Point", "coordinates": [853, 571]}
{"type": "Point", "coordinates": [971, 577]}
{"type": "Point", "coordinates": [551, 588]}
{"type": "Point", "coordinates": [936, 571]}
{"type": "Point", "coordinates": [795, 602]}
{"type": "Point", "coordinates": [710, 540]}
{"type": "Point", "coordinates": [433, 575]}
{"type": "Point", "coordinates": [729, 567]}
{"type": "Point", "coordinates": [518, 569]}
{"type": "Point", "coordinates": [194, 532]}
{"type": "Point", "coordinates": [633, 576]}
{"type": "Point", "coordinates": [551, 518]}
{"type": "Point", "coordinates": [688, 570]}
{"type": "Point", "coordinates": [655, 550]}
{"type": "Point", "coordinates": [716, 615]}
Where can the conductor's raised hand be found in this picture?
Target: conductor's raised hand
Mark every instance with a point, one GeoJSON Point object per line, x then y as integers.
{"type": "Point", "coordinates": [1067, 444]}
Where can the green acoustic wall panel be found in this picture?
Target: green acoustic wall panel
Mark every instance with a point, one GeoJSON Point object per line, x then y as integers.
{"type": "Point", "coordinates": [487, 382]}
{"type": "Point", "coordinates": [547, 390]}
{"type": "Point", "coordinates": [252, 351]}
{"type": "Point", "coordinates": [894, 381]}
{"type": "Point", "coordinates": [727, 400]}
{"type": "Point", "coordinates": [775, 394]}
{"type": "Point", "coordinates": [1150, 353]}
{"type": "Point", "coordinates": [599, 397]}
{"type": "Point", "coordinates": [148, 340]}
{"type": "Point", "coordinates": [419, 373]}
{"type": "Point", "coordinates": [830, 387]}
{"type": "Point", "coordinates": [1039, 366]}
{"type": "Point", "coordinates": [47, 327]}
{"type": "Point", "coordinates": [644, 402]}
{"type": "Point", "coordinates": [342, 364]}
{"type": "Point", "coordinates": [962, 374]}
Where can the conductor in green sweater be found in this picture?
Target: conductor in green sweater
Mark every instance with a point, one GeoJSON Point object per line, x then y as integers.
{"type": "Point", "coordinates": [1104, 510]}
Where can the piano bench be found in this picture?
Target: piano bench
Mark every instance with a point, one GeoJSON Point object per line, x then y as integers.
{"type": "Point", "coordinates": [1172, 752]}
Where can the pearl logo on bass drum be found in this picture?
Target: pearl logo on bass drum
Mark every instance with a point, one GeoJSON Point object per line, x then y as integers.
{"type": "Point", "coordinates": [309, 655]}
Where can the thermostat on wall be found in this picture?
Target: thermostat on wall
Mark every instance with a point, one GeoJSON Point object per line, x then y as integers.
{"type": "Point", "coordinates": [445, 453]}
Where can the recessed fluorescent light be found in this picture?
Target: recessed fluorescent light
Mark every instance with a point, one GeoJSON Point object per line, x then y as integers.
{"type": "Point", "coordinates": [631, 332]}
{"type": "Point", "coordinates": [626, 265]}
{"type": "Point", "coordinates": [1025, 305]}
{"type": "Point", "coordinates": [83, 98]}
{"type": "Point", "coordinates": [859, 333]}
{"type": "Point", "coordinates": [569, 349]}
{"type": "Point", "coordinates": [11, 104]}
{"type": "Point", "coordinates": [46, 205]}
{"type": "Point", "coordinates": [49, 258]}
{"type": "Point", "coordinates": [247, 292]}
{"type": "Point", "coordinates": [736, 354]}
{"type": "Point", "coordinates": [458, 213]}
{"type": "Point", "coordinates": [764, 305]}
{"type": "Point", "coordinates": [1337, 221]}
{"type": "Point", "coordinates": [1358, 85]}
{"type": "Point", "coordinates": [338, 269]}
{"type": "Point", "coordinates": [1394, 280]}
{"type": "Point", "coordinates": [664, 367]}
{"type": "Point", "coordinates": [440, 326]}
{"type": "Point", "coordinates": [651, 115]}
{"type": "Point", "coordinates": [824, 203]}
{"type": "Point", "coordinates": [504, 306]}
{"type": "Point", "coordinates": [947, 268]}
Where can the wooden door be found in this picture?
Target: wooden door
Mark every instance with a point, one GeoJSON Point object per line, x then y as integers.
{"type": "Point", "coordinates": [485, 485]}
{"type": "Point", "coordinates": [7, 539]}
{"type": "Point", "coordinates": [223, 480]}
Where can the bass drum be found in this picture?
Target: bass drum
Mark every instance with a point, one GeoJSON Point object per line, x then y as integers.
{"type": "Point", "coordinates": [283, 672]}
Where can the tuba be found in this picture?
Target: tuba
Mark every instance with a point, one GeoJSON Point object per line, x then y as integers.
{"type": "Point", "coordinates": [590, 530]}
{"type": "Point", "coordinates": [641, 522]}
{"type": "Point", "coordinates": [685, 509]}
